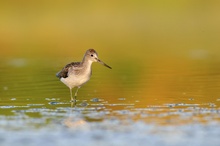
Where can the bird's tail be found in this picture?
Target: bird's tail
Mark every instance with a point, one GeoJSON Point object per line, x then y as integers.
{"type": "Point", "coordinates": [58, 74]}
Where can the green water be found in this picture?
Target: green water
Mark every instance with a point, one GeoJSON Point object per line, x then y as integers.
{"type": "Point", "coordinates": [145, 98]}
{"type": "Point", "coordinates": [30, 84]}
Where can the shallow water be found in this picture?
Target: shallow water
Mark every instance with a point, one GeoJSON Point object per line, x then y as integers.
{"type": "Point", "coordinates": [132, 104]}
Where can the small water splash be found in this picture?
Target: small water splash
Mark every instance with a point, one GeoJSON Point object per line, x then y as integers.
{"type": "Point", "coordinates": [84, 104]}
{"type": "Point", "coordinates": [13, 99]}
{"type": "Point", "coordinates": [54, 103]}
{"type": "Point", "coordinates": [95, 100]}
{"type": "Point", "coordinates": [7, 107]}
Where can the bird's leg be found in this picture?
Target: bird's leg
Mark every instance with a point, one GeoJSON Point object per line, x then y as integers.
{"type": "Point", "coordinates": [71, 95]}
{"type": "Point", "coordinates": [76, 93]}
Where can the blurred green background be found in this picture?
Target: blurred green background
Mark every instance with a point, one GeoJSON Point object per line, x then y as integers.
{"type": "Point", "coordinates": [144, 28]}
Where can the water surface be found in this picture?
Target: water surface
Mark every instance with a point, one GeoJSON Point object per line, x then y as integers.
{"type": "Point", "coordinates": [170, 103]}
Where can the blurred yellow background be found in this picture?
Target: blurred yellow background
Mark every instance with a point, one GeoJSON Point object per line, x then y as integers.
{"type": "Point", "coordinates": [183, 28]}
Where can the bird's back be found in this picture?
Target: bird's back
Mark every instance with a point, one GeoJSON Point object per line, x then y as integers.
{"type": "Point", "coordinates": [64, 72]}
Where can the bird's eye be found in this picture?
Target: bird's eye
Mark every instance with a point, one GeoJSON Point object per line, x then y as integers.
{"type": "Point", "coordinates": [91, 55]}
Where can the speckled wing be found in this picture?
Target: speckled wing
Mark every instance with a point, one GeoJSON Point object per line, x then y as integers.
{"type": "Point", "coordinates": [64, 72]}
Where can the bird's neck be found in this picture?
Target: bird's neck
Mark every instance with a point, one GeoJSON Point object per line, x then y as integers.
{"type": "Point", "coordinates": [86, 62]}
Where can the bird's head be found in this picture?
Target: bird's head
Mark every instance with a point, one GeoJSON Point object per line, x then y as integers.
{"type": "Point", "coordinates": [92, 55]}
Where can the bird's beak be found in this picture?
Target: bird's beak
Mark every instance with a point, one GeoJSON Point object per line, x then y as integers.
{"type": "Point", "coordinates": [98, 60]}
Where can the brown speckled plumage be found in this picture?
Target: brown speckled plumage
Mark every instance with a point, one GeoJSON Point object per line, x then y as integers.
{"type": "Point", "coordinates": [76, 74]}
{"type": "Point", "coordinates": [64, 72]}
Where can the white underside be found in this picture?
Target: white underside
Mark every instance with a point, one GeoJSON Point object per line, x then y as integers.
{"type": "Point", "coordinates": [74, 81]}
{"type": "Point", "coordinates": [77, 80]}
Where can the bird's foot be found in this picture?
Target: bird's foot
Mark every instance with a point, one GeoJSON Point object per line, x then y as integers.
{"type": "Point", "coordinates": [73, 100]}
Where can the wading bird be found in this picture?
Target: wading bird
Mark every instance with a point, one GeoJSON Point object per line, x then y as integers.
{"type": "Point", "coordinates": [76, 74]}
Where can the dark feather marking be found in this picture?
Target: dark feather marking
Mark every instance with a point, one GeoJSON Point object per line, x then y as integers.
{"type": "Point", "coordinates": [64, 72]}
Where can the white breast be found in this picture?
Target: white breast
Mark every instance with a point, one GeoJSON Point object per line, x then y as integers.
{"type": "Point", "coordinates": [77, 80]}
